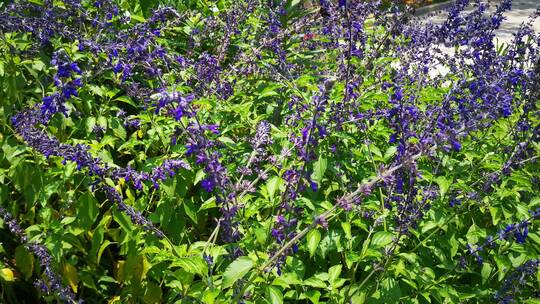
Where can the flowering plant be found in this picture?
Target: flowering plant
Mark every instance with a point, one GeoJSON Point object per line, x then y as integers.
{"type": "Point", "coordinates": [267, 151]}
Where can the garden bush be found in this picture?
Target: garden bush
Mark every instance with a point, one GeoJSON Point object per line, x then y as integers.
{"type": "Point", "coordinates": [267, 152]}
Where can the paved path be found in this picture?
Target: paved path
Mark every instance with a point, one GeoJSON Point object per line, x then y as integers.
{"type": "Point", "coordinates": [521, 10]}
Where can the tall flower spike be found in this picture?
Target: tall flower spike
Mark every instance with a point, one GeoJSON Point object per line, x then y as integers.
{"type": "Point", "coordinates": [136, 217]}
{"type": "Point", "coordinates": [53, 282]}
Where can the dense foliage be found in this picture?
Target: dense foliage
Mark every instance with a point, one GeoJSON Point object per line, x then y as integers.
{"type": "Point", "coordinates": [255, 151]}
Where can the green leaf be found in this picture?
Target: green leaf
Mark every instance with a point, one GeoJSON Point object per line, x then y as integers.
{"type": "Point", "coordinates": [318, 169]}
{"type": "Point", "coordinates": [24, 260]}
{"type": "Point", "coordinates": [70, 273]}
{"type": "Point", "coordinates": [315, 282]}
{"type": "Point", "coordinates": [28, 180]}
{"type": "Point", "coordinates": [428, 226]}
{"type": "Point", "coordinates": [128, 100]}
{"type": "Point", "coordinates": [313, 238]}
{"type": "Point", "coordinates": [274, 295]}
{"type": "Point", "coordinates": [7, 275]}
{"type": "Point", "coordinates": [96, 90]}
{"type": "Point", "coordinates": [330, 242]}
{"type": "Point", "coordinates": [295, 2]}
{"type": "Point", "coordinates": [209, 203]}
{"type": "Point", "coordinates": [334, 272]}
{"type": "Point", "coordinates": [444, 184]}
{"type": "Point", "coordinates": [260, 234]}
{"type": "Point", "coordinates": [454, 245]}
{"type": "Point", "coordinates": [124, 221]}
{"type": "Point", "coordinates": [272, 185]}
{"type": "Point", "coordinates": [118, 129]}
{"type": "Point", "coordinates": [313, 296]}
{"type": "Point", "coordinates": [135, 268]}
{"type": "Point", "coordinates": [375, 150]}
{"type": "Point", "coordinates": [381, 239]}
{"type": "Point", "coordinates": [358, 298]}
{"type": "Point", "coordinates": [138, 18]}
{"type": "Point", "coordinates": [390, 152]}
{"type": "Point", "coordinates": [146, 6]}
{"type": "Point", "coordinates": [199, 176]}
{"type": "Point", "coordinates": [152, 294]}
{"type": "Point", "coordinates": [269, 90]}
{"type": "Point", "coordinates": [296, 266]}
{"type": "Point", "coordinates": [209, 296]}
{"type": "Point", "coordinates": [287, 279]}
{"type": "Point", "coordinates": [226, 140]}
{"type": "Point", "coordinates": [347, 229]}
{"type": "Point", "coordinates": [190, 210]}
{"type": "Point", "coordinates": [102, 248]}
{"type": "Point", "coordinates": [194, 264]}
{"type": "Point", "coordinates": [486, 272]}
{"type": "Point", "coordinates": [390, 291]}
{"type": "Point", "coordinates": [88, 210]}
{"type": "Point", "coordinates": [236, 270]}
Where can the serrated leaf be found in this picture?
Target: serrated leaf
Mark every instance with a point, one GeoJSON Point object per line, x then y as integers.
{"type": "Point", "coordinates": [38, 65]}
{"type": "Point", "coordinates": [119, 270]}
{"type": "Point", "coordinates": [330, 242]}
{"type": "Point", "coordinates": [136, 267]}
{"type": "Point", "coordinates": [236, 270]}
{"type": "Point", "coordinates": [375, 150]}
{"type": "Point", "coordinates": [428, 226]}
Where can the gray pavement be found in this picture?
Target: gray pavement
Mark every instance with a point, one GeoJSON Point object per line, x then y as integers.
{"type": "Point", "coordinates": [520, 12]}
